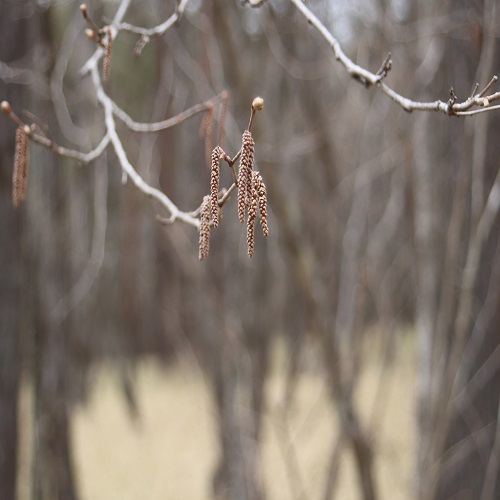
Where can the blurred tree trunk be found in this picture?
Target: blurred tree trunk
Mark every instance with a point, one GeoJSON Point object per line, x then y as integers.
{"type": "Point", "coordinates": [47, 262]}
{"type": "Point", "coordinates": [471, 468]}
{"type": "Point", "coordinates": [10, 263]}
{"type": "Point", "coordinates": [14, 43]}
{"type": "Point", "coordinates": [457, 325]}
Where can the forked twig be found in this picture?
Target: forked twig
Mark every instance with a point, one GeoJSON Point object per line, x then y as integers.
{"type": "Point", "coordinates": [368, 78]}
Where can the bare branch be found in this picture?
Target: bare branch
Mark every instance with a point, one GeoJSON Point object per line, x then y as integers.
{"type": "Point", "coordinates": [170, 122]}
{"type": "Point", "coordinates": [94, 59]}
{"type": "Point", "coordinates": [368, 78]}
{"type": "Point", "coordinates": [488, 87]}
{"type": "Point", "coordinates": [157, 30]}
{"type": "Point", "coordinates": [127, 167]}
{"type": "Point", "coordinates": [50, 144]}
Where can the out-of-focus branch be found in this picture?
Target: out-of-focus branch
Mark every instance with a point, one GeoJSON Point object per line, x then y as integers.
{"type": "Point", "coordinates": [170, 122]}
{"type": "Point", "coordinates": [87, 278]}
{"type": "Point", "coordinates": [367, 78]}
{"type": "Point", "coordinates": [50, 144]}
{"type": "Point", "coordinates": [128, 169]}
{"type": "Point", "coordinates": [19, 76]}
{"type": "Point", "coordinates": [491, 477]}
{"type": "Point", "coordinates": [94, 59]}
{"type": "Point", "coordinates": [158, 30]}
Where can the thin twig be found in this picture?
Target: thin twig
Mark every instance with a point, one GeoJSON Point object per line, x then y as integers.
{"type": "Point", "coordinates": [170, 122]}
{"type": "Point", "coordinates": [372, 79]}
{"type": "Point", "coordinates": [227, 195]}
{"type": "Point", "coordinates": [156, 30]}
{"type": "Point", "coordinates": [488, 87]}
{"type": "Point", "coordinates": [127, 167]}
{"type": "Point", "coordinates": [50, 144]}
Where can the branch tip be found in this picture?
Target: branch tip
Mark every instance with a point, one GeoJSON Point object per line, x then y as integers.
{"type": "Point", "coordinates": [386, 66]}
{"type": "Point", "coordinates": [258, 104]}
{"type": "Point", "coordinates": [488, 87]}
{"type": "Point", "coordinates": [91, 34]}
{"type": "Point", "coordinates": [6, 107]}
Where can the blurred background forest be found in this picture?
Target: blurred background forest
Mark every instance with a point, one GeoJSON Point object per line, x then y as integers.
{"type": "Point", "coordinates": [356, 355]}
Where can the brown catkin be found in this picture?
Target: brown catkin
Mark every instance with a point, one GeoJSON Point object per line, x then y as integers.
{"type": "Point", "coordinates": [214, 184]}
{"type": "Point", "coordinates": [20, 173]}
{"type": "Point", "coordinates": [262, 197]}
{"type": "Point", "coordinates": [106, 63]}
{"type": "Point", "coordinates": [204, 242]}
{"type": "Point", "coordinates": [252, 214]}
{"type": "Point", "coordinates": [245, 174]}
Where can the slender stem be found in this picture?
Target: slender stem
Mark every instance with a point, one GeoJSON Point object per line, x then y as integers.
{"type": "Point", "coordinates": [252, 114]}
{"type": "Point", "coordinates": [368, 78]}
{"type": "Point", "coordinates": [233, 171]}
{"type": "Point", "coordinates": [227, 195]}
{"type": "Point", "coordinates": [488, 87]}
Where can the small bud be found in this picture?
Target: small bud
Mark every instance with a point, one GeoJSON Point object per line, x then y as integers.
{"type": "Point", "coordinates": [91, 35]}
{"type": "Point", "coordinates": [258, 104]}
{"type": "Point", "coordinates": [83, 8]}
{"type": "Point", "coordinates": [6, 107]}
{"type": "Point", "coordinates": [486, 102]}
{"type": "Point", "coordinates": [27, 130]}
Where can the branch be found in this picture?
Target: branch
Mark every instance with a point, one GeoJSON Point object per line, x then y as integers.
{"type": "Point", "coordinates": [94, 59]}
{"type": "Point", "coordinates": [368, 78]}
{"type": "Point", "coordinates": [170, 122]}
{"type": "Point", "coordinates": [50, 144]}
{"type": "Point", "coordinates": [157, 30]}
{"type": "Point", "coordinates": [127, 167]}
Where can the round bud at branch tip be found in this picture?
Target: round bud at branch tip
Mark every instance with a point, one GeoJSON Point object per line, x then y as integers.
{"type": "Point", "coordinates": [6, 107]}
{"type": "Point", "coordinates": [83, 8]}
{"type": "Point", "coordinates": [258, 104]}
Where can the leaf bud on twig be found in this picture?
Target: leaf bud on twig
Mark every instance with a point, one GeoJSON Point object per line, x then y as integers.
{"type": "Point", "coordinates": [6, 107]}
{"type": "Point", "coordinates": [258, 104]}
{"type": "Point", "coordinates": [91, 34]}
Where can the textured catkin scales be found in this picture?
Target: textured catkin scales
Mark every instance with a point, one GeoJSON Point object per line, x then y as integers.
{"type": "Point", "coordinates": [252, 213]}
{"type": "Point", "coordinates": [106, 63]}
{"type": "Point", "coordinates": [204, 241]}
{"type": "Point", "coordinates": [262, 197]}
{"type": "Point", "coordinates": [214, 184]}
{"type": "Point", "coordinates": [20, 173]}
{"type": "Point", "coordinates": [245, 174]}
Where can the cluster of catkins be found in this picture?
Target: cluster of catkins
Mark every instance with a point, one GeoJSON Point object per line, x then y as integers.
{"type": "Point", "coordinates": [251, 197]}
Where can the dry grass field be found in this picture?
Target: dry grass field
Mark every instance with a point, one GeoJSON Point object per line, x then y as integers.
{"type": "Point", "coordinates": [170, 452]}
